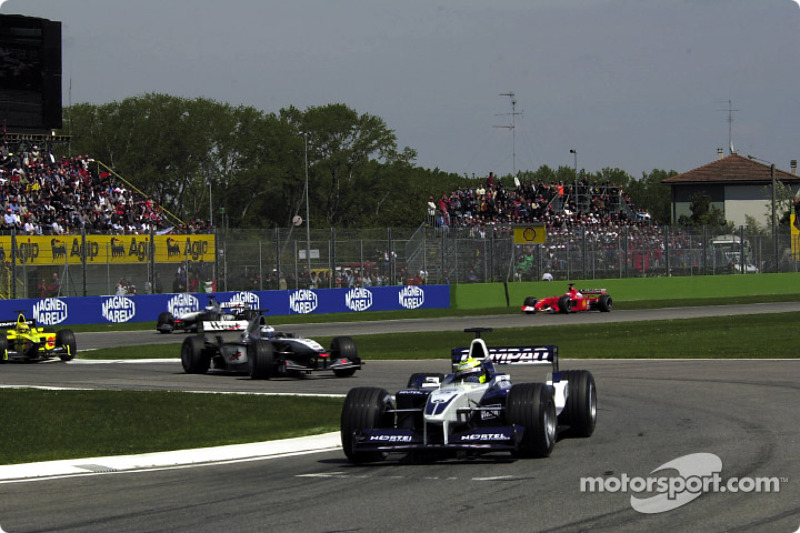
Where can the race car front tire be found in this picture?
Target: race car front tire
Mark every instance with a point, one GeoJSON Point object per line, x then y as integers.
{"type": "Point", "coordinates": [3, 348]}
{"type": "Point", "coordinates": [530, 302]}
{"type": "Point", "coordinates": [364, 408]}
{"type": "Point", "coordinates": [564, 305]}
{"type": "Point", "coordinates": [416, 379]}
{"type": "Point", "coordinates": [65, 338]}
{"type": "Point", "coordinates": [344, 348]}
{"type": "Point", "coordinates": [194, 358]}
{"type": "Point", "coordinates": [580, 411]}
{"type": "Point", "coordinates": [261, 359]}
{"type": "Point", "coordinates": [531, 406]}
{"type": "Point", "coordinates": [165, 319]}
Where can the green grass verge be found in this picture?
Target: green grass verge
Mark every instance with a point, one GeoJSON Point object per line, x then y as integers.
{"type": "Point", "coordinates": [695, 290]}
{"type": "Point", "coordinates": [756, 336]}
{"type": "Point", "coordinates": [514, 308]}
{"type": "Point", "coordinates": [50, 425]}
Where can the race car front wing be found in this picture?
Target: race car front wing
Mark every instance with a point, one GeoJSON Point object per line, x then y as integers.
{"type": "Point", "coordinates": [500, 438]}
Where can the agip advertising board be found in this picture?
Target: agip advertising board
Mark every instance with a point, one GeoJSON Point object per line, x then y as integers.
{"type": "Point", "coordinates": [38, 250]}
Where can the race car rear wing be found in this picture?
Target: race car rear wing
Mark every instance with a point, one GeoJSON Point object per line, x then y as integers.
{"type": "Point", "coordinates": [224, 325]}
{"type": "Point", "coordinates": [508, 355]}
{"type": "Point", "coordinates": [11, 324]}
{"type": "Point", "coordinates": [592, 291]}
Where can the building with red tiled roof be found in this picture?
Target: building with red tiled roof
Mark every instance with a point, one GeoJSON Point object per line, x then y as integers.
{"type": "Point", "coordinates": [738, 186]}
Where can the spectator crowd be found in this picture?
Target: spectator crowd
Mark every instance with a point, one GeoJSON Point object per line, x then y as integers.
{"type": "Point", "coordinates": [44, 195]}
{"type": "Point", "coordinates": [594, 217]}
{"type": "Point", "coordinates": [556, 205]}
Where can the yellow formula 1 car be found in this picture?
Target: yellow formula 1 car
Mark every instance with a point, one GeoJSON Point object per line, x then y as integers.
{"type": "Point", "coordinates": [25, 342]}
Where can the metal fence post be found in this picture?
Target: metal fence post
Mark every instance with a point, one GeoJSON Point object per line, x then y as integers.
{"type": "Point", "coordinates": [13, 264]}
{"type": "Point", "coordinates": [333, 257]}
{"type": "Point", "coordinates": [392, 263]}
{"type": "Point", "coordinates": [583, 253]}
{"type": "Point", "coordinates": [260, 268]}
{"type": "Point", "coordinates": [296, 272]}
{"type": "Point", "coordinates": [278, 267]}
{"type": "Point", "coordinates": [108, 267]}
{"type": "Point", "coordinates": [151, 252]}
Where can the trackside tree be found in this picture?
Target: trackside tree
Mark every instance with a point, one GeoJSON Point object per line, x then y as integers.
{"type": "Point", "coordinates": [241, 167]}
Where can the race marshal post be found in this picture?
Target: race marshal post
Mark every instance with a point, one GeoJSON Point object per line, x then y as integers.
{"type": "Point", "coordinates": [530, 234]}
{"type": "Point", "coordinates": [527, 234]}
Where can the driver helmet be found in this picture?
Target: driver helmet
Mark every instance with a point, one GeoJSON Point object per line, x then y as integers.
{"type": "Point", "coordinates": [23, 328]}
{"type": "Point", "coordinates": [266, 332]}
{"type": "Point", "coordinates": [470, 371]}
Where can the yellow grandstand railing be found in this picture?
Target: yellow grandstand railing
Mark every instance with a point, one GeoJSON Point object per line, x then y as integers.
{"type": "Point", "coordinates": [174, 219]}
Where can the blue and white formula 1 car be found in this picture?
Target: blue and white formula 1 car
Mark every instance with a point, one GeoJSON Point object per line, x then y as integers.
{"type": "Point", "coordinates": [475, 409]}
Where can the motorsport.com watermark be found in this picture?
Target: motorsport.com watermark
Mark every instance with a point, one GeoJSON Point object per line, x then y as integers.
{"type": "Point", "coordinates": [698, 473]}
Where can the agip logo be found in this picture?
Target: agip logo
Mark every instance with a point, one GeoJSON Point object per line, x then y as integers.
{"type": "Point", "coordinates": [181, 304]}
{"type": "Point", "coordinates": [118, 309]}
{"type": "Point", "coordinates": [358, 299]}
{"type": "Point", "coordinates": [412, 297]}
{"type": "Point", "coordinates": [303, 301]}
{"type": "Point", "coordinates": [50, 311]}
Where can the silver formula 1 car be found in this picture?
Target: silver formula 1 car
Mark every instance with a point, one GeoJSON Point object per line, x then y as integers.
{"type": "Point", "coordinates": [214, 311]}
{"type": "Point", "coordinates": [247, 343]}
{"type": "Point", "coordinates": [474, 409]}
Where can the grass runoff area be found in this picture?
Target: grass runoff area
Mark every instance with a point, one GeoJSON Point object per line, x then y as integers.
{"type": "Point", "coordinates": [745, 336]}
{"type": "Point", "coordinates": [49, 425]}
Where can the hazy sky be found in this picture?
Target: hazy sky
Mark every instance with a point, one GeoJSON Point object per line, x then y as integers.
{"type": "Point", "coordinates": [634, 84]}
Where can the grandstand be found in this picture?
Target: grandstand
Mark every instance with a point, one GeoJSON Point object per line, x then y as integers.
{"type": "Point", "coordinates": [44, 195]}
{"type": "Point", "coordinates": [554, 205]}
{"type": "Point", "coordinates": [63, 212]}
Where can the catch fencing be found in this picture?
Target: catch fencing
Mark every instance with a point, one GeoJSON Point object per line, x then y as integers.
{"type": "Point", "coordinates": [248, 260]}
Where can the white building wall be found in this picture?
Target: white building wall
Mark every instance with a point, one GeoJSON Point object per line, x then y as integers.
{"type": "Point", "coordinates": [752, 200]}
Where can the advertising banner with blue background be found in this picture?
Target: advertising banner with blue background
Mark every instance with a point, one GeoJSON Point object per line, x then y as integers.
{"type": "Point", "coordinates": [143, 308]}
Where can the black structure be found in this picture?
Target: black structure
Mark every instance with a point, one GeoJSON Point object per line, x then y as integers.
{"type": "Point", "coordinates": [30, 74]}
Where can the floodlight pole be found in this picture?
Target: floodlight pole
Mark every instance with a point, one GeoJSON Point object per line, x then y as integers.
{"type": "Point", "coordinates": [574, 153]}
{"type": "Point", "coordinates": [774, 212]}
{"type": "Point", "coordinates": [308, 218]}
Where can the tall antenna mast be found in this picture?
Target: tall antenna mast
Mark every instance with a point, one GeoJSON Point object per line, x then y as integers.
{"type": "Point", "coordinates": [512, 127]}
{"type": "Point", "coordinates": [730, 111]}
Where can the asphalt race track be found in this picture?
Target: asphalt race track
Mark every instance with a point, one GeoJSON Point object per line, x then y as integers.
{"type": "Point", "coordinates": [650, 413]}
{"type": "Point", "coordinates": [112, 339]}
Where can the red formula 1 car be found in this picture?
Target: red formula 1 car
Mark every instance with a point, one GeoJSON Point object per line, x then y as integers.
{"type": "Point", "coordinates": [572, 301]}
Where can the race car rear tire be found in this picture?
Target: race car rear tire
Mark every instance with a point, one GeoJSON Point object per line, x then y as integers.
{"type": "Point", "coordinates": [604, 303]}
{"type": "Point", "coordinates": [165, 318]}
{"type": "Point", "coordinates": [66, 338]}
{"type": "Point", "coordinates": [580, 411]}
{"type": "Point", "coordinates": [261, 359]}
{"type": "Point", "coordinates": [531, 406]}
{"type": "Point", "coordinates": [416, 379]}
{"type": "Point", "coordinates": [564, 305]}
{"type": "Point", "coordinates": [364, 408]}
{"type": "Point", "coordinates": [531, 302]}
{"type": "Point", "coordinates": [344, 348]}
{"type": "Point", "coordinates": [3, 348]}
{"type": "Point", "coordinates": [194, 358]}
